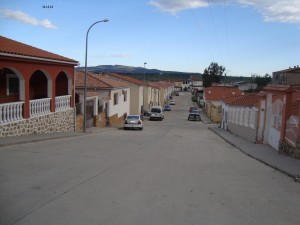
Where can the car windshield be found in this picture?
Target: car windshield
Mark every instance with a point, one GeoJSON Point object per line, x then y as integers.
{"type": "Point", "coordinates": [132, 117]}
{"type": "Point", "coordinates": [156, 110]}
{"type": "Point", "coordinates": [195, 111]}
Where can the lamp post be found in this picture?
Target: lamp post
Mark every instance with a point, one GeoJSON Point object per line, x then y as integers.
{"type": "Point", "coordinates": [143, 109]}
{"type": "Point", "coordinates": [85, 72]}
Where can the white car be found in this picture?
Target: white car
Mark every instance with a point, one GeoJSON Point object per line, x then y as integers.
{"type": "Point", "coordinates": [157, 113]}
{"type": "Point", "coordinates": [133, 122]}
{"type": "Point", "coordinates": [172, 102]}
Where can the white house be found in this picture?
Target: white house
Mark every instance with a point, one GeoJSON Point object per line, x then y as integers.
{"type": "Point", "coordinates": [110, 96]}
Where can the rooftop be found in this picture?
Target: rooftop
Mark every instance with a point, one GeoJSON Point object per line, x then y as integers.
{"type": "Point", "coordinates": [9, 47]}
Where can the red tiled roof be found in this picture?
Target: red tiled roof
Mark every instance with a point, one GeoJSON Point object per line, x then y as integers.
{"type": "Point", "coordinates": [98, 81]}
{"type": "Point", "coordinates": [290, 70]}
{"type": "Point", "coordinates": [220, 92]}
{"type": "Point", "coordinates": [129, 79]}
{"type": "Point", "coordinates": [246, 100]}
{"type": "Point", "coordinates": [11, 47]}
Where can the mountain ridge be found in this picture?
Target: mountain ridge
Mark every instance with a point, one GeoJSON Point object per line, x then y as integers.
{"type": "Point", "coordinates": [128, 69]}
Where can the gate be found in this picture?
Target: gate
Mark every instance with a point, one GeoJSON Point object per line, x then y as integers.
{"type": "Point", "coordinates": [276, 123]}
{"type": "Point", "coordinates": [89, 113]}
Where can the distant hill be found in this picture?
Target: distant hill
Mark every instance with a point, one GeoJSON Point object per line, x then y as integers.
{"type": "Point", "coordinates": [138, 72]}
{"type": "Point", "coordinates": [127, 69]}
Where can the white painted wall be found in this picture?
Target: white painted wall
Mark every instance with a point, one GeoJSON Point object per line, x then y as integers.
{"type": "Point", "coordinates": [121, 107]}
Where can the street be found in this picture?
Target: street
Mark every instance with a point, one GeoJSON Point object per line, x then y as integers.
{"type": "Point", "coordinates": [174, 172]}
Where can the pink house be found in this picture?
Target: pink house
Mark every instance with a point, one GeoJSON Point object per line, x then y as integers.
{"type": "Point", "coordinates": [36, 90]}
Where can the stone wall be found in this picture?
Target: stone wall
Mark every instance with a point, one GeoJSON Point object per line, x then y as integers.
{"type": "Point", "coordinates": [286, 149]}
{"type": "Point", "coordinates": [213, 112]}
{"type": "Point", "coordinates": [115, 120]}
{"type": "Point", "coordinates": [50, 123]}
{"type": "Point", "coordinates": [241, 131]}
{"type": "Point", "coordinates": [100, 120]}
{"type": "Point", "coordinates": [79, 122]}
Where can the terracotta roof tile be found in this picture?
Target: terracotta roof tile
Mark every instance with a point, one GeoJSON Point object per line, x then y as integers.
{"type": "Point", "coordinates": [10, 46]}
{"type": "Point", "coordinates": [220, 92]}
{"type": "Point", "coordinates": [290, 70]}
{"type": "Point", "coordinates": [246, 100]}
{"type": "Point", "coordinates": [127, 78]}
{"type": "Point", "coordinates": [98, 81]}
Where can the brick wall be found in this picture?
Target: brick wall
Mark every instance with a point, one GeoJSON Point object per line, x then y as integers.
{"type": "Point", "coordinates": [241, 131]}
{"type": "Point", "coordinates": [50, 123]}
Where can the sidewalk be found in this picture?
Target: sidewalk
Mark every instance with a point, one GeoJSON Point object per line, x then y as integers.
{"type": "Point", "coordinates": [262, 153]}
{"type": "Point", "coordinates": [16, 140]}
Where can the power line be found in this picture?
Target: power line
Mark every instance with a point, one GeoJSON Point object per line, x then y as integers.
{"type": "Point", "coordinates": [200, 30]}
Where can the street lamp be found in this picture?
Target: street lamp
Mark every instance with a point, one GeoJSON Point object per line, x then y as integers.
{"type": "Point", "coordinates": [143, 109]}
{"type": "Point", "coordinates": [85, 75]}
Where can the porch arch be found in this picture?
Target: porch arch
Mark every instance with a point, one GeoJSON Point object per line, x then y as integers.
{"type": "Point", "coordinates": [40, 85]}
{"type": "Point", "coordinates": [4, 83]}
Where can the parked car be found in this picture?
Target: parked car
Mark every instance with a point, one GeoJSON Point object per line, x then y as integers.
{"type": "Point", "coordinates": [194, 115]}
{"type": "Point", "coordinates": [157, 113]}
{"type": "Point", "coordinates": [133, 122]}
{"type": "Point", "coordinates": [167, 108]}
{"type": "Point", "coordinates": [193, 108]}
{"type": "Point", "coordinates": [172, 102]}
{"type": "Point", "coordinates": [177, 93]}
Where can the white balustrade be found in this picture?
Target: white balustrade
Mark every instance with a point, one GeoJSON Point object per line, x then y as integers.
{"type": "Point", "coordinates": [62, 103]}
{"type": "Point", "coordinates": [11, 112]}
{"type": "Point", "coordinates": [40, 107]}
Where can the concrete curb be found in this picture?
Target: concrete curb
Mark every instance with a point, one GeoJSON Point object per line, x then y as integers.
{"type": "Point", "coordinates": [295, 177]}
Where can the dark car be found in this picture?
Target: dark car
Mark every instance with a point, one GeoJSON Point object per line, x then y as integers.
{"type": "Point", "coordinates": [167, 108]}
{"type": "Point", "coordinates": [194, 115]}
{"type": "Point", "coordinates": [193, 108]}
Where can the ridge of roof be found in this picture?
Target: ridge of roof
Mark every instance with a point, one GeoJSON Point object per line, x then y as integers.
{"type": "Point", "coordinates": [127, 78]}
{"type": "Point", "coordinates": [12, 47]}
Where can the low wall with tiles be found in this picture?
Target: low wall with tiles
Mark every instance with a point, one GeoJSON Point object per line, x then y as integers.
{"type": "Point", "coordinates": [241, 131]}
{"type": "Point", "coordinates": [54, 122]}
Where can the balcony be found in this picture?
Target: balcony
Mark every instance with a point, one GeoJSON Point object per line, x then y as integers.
{"type": "Point", "coordinates": [14, 111]}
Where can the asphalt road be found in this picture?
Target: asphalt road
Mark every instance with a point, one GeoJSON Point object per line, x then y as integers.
{"type": "Point", "coordinates": [174, 172]}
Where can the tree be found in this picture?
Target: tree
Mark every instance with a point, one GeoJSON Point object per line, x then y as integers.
{"type": "Point", "coordinates": [262, 81]}
{"type": "Point", "coordinates": [212, 74]}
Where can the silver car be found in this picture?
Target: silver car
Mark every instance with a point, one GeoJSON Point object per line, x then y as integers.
{"type": "Point", "coordinates": [133, 122]}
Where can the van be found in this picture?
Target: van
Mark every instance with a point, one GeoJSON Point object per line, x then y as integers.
{"type": "Point", "coordinates": [156, 113]}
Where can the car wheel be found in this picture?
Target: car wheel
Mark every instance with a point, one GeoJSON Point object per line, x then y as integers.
{"type": "Point", "coordinates": [141, 128]}
{"type": "Point", "coordinates": [125, 128]}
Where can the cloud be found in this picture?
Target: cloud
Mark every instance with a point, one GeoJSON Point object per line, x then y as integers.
{"type": "Point", "coordinates": [175, 6]}
{"type": "Point", "coordinates": [25, 18]}
{"type": "Point", "coordinates": [285, 11]}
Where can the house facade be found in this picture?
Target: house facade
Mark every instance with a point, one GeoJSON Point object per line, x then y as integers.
{"type": "Point", "coordinates": [289, 76]}
{"type": "Point", "coordinates": [138, 89]}
{"type": "Point", "coordinates": [108, 100]}
{"type": "Point", "coordinates": [213, 98]}
{"type": "Point", "coordinates": [36, 90]}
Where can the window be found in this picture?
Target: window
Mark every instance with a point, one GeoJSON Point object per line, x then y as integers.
{"type": "Point", "coordinates": [125, 96]}
{"type": "Point", "coordinates": [115, 98]}
{"type": "Point", "coordinates": [12, 84]}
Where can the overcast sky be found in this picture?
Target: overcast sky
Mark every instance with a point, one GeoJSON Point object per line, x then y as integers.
{"type": "Point", "coordinates": [245, 36]}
